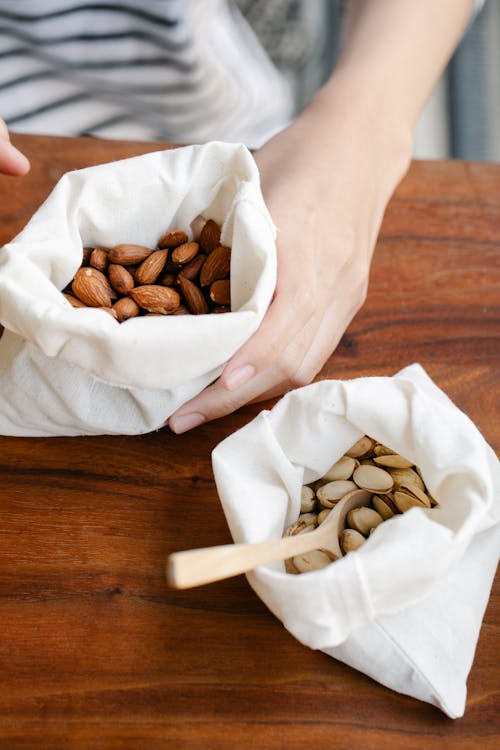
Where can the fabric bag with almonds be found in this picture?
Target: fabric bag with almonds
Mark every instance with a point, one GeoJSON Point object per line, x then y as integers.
{"type": "Point", "coordinates": [406, 607]}
{"type": "Point", "coordinates": [68, 371]}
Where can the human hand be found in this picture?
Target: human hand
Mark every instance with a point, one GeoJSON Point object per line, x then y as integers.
{"type": "Point", "coordinates": [12, 161]}
{"type": "Point", "coordinates": [326, 180]}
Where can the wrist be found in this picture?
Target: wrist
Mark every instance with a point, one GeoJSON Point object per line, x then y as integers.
{"type": "Point", "coordinates": [371, 118]}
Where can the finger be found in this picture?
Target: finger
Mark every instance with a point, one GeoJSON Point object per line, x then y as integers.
{"type": "Point", "coordinates": [12, 161]}
{"type": "Point", "coordinates": [325, 342]}
{"type": "Point", "coordinates": [216, 401]}
{"type": "Point", "coordinates": [288, 315]}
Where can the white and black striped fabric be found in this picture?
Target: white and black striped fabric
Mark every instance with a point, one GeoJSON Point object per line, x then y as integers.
{"type": "Point", "coordinates": [178, 70]}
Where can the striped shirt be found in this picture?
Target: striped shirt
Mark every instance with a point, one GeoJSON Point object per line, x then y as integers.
{"type": "Point", "coordinates": [178, 70]}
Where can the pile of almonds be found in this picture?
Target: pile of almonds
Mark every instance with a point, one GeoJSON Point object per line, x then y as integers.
{"type": "Point", "coordinates": [395, 484]}
{"type": "Point", "coordinates": [177, 277]}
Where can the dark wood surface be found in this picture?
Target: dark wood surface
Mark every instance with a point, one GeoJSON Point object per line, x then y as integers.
{"type": "Point", "coordinates": [96, 652]}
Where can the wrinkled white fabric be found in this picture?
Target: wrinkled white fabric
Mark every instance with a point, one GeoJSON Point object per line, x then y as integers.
{"type": "Point", "coordinates": [389, 608]}
{"type": "Point", "coordinates": [100, 376]}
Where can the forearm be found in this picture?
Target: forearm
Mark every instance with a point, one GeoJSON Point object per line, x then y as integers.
{"type": "Point", "coordinates": [395, 50]}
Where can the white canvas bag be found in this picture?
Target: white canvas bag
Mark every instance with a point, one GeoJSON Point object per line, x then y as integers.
{"type": "Point", "coordinates": [407, 606]}
{"type": "Point", "coordinates": [69, 372]}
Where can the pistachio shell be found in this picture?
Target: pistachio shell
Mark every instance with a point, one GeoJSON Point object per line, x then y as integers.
{"type": "Point", "coordinates": [322, 515]}
{"type": "Point", "coordinates": [290, 567]}
{"type": "Point", "coordinates": [331, 492]}
{"type": "Point", "coordinates": [350, 540]}
{"type": "Point", "coordinates": [307, 499]}
{"type": "Point", "coordinates": [299, 527]}
{"type": "Point", "coordinates": [363, 519]}
{"type": "Point", "coordinates": [373, 479]}
{"type": "Point", "coordinates": [313, 560]}
{"type": "Point", "coordinates": [308, 518]}
{"type": "Point", "coordinates": [407, 477]}
{"type": "Point", "coordinates": [342, 469]}
{"type": "Point", "coordinates": [382, 450]}
{"type": "Point", "coordinates": [363, 447]}
{"type": "Point", "coordinates": [394, 461]}
{"type": "Point", "coordinates": [317, 484]}
{"type": "Point", "coordinates": [384, 506]}
{"type": "Point", "coordinates": [412, 489]}
{"type": "Point", "coordinates": [404, 501]}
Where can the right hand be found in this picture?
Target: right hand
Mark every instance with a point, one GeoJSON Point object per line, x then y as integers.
{"type": "Point", "coordinates": [12, 161]}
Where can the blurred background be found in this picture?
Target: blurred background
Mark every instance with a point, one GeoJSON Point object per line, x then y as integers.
{"type": "Point", "coordinates": [462, 117]}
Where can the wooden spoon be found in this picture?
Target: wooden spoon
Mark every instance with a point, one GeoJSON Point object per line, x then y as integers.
{"type": "Point", "coordinates": [198, 566]}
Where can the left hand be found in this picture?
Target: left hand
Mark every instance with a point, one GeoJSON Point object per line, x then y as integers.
{"type": "Point", "coordinates": [326, 180]}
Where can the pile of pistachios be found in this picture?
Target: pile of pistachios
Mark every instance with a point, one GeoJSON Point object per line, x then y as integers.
{"type": "Point", "coordinates": [395, 484]}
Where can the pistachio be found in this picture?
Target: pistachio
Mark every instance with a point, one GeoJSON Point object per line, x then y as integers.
{"type": "Point", "coordinates": [342, 469]}
{"type": "Point", "coordinates": [395, 485]}
{"type": "Point", "coordinates": [290, 567]}
{"type": "Point", "coordinates": [307, 499]}
{"type": "Point", "coordinates": [382, 450]}
{"type": "Point", "coordinates": [351, 540]}
{"type": "Point", "coordinates": [300, 526]}
{"type": "Point", "coordinates": [412, 489]}
{"type": "Point", "coordinates": [322, 515]}
{"type": "Point", "coordinates": [373, 479]}
{"type": "Point", "coordinates": [314, 560]}
{"type": "Point", "coordinates": [406, 476]}
{"type": "Point", "coordinates": [395, 461]}
{"type": "Point", "coordinates": [331, 492]}
{"type": "Point", "coordinates": [308, 518]}
{"type": "Point", "coordinates": [363, 447]}
{"type": "Point", "coordinates": [363, 519]}
{"type": "Point", "coordinates": [384, 505]}
{"type": "Point", "coordinates": [404, 501]}
{"type": "Point", "coordinates": [318, 483]}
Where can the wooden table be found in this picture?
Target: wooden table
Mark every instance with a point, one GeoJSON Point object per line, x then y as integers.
{"type": "Point", "coordinates": [96, 652]}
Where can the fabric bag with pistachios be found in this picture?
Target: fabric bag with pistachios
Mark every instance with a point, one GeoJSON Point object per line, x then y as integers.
{"type": "Point", "coordinates": [406, 607]}
{"type": "Point", "coordinates": [67, 371]}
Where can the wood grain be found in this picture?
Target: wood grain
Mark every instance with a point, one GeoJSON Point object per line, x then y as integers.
{"type": "Point", "coordinates": [96, 652]}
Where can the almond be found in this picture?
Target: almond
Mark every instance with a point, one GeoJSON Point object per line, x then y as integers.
{"type": "Point", "coordinates": [86, 253]}
{"type": "Point", "coordinates": [121, 279]}
{"type": "Point", "coordinates": [128, 254]}
{"type": "Point", "coordinates": [110, 311]}
{"type": "Point", "coordinates": [126, 308]}
{"type": "Point", "coordinates": [150, 269]}
{"type": "Point", "coordinates": [221, 309]}
{"type": "Point", "coordinates": [181, 310]}
{"type": "Point", "coordinates": [98, 259]}
{"type": "Point", "coordinates": [193, 296]}
{"type": "Point", "coordinates": [156, 299]}
{"type": "Point", "coordinates": [220, 292]}
{"type": "Point", "coordinates": [92, 287]}
{"type": "Point", "coordinates": [192, 269]}
{"type": "Point", "coordinates": [168, 279]}
{"type": "Point", "coordinates": [74, 301]}
{"type": "Point", "coordinates": [209, 237]}
{"type": "Point", "coordinates": [216, 266]}
{"type": "Point", "coordinates": [172, 239]}
{"type": "Point", "coordinates": [184, 253]}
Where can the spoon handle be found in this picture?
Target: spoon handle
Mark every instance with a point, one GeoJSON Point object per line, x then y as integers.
{"type": "Point", "coordinates": [198, 566]}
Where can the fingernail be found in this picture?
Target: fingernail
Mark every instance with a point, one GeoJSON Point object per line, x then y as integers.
{"type": "Point", "coordinates": [238, 377]}
{"type": "Point", "coordinates": [185, 422]}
